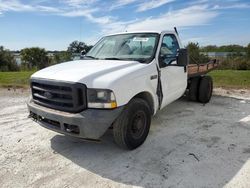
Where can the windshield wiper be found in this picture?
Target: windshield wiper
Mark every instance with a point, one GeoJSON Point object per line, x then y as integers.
{"type": "Point", "coordinates": [113, 58]}
{"type": "Point", "coordinates": [142, 60]}
{"type": "Point", "coordinates": [88, 56]}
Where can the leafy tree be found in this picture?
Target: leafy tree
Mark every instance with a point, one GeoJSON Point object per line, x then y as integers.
{"type": "Point", "coordinates": [234, 63]}
{"type": "Point", "coordinates": [61, 57]}
{"type": "Point", "coordinates": [209, 48]}
{"type": "Point", "coordinates": [232, 48]}
{"type": "Point", "coordinates": [78, 47]}
{"type": "Point", "coordinates": [237, 49]}
{"type": "Point", "coordinates": [35, 57]}
{"type": "Point", "coordinates": [194, 51]}
{"type": "Point", "coordinates": [194, 54]}
{"type": "Point", "coordinates": [248, 51]}
{"type": "Point", "coordinates": [7, 61]}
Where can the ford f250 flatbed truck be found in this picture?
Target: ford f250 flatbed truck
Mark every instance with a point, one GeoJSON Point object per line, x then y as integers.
{"type": "Point", "coordinates": [119, 84]}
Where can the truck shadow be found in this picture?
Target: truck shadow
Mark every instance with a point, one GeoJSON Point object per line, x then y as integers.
{"type": "Point", "coordinates": [199, 148]}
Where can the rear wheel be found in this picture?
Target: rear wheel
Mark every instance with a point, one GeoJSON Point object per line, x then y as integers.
{"type": "Point", "coordinates": [205, 89]}
{"type": "Point", "coordinates": [132, 126]}
{"type": "Point", "coordinates": [194, 89]}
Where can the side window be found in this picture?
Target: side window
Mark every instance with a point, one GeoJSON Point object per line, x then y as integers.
{"type": "Point", "coordinates": [169, 48]}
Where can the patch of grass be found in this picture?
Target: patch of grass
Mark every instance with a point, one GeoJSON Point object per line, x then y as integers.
{"type": "Point", "coordinates": [15, 79]}
{"type": "Point", "coordinates": [222, 78]}
{"type": "Point", "coordinates": [231, 79]}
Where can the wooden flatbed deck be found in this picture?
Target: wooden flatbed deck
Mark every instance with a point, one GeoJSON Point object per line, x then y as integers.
{"type": "Point", "coordinates": [201, 69]}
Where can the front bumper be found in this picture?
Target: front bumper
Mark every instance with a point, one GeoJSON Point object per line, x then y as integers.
{"type": "Point", "coordinates": [88, 124]}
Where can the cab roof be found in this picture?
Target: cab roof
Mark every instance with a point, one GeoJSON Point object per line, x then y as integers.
{"type": "Point", "coordinates": [148, 31]}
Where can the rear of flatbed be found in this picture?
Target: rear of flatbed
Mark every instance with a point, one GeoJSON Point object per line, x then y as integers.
{"type": "Point", "coordinates": [195, 70]}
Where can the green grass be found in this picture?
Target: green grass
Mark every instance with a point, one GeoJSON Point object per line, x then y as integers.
{"type": "Point", "coordinates": [15, 79]}
{"type": "Point", "coordinates": [222, 78]}
{"type": "Point", "coordinates": [231, 79]}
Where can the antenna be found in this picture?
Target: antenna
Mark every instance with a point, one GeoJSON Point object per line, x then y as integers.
{"type": "Point", "coordinates": [81, 30]}
{"type": "Point", "coordinates": [175, 29]}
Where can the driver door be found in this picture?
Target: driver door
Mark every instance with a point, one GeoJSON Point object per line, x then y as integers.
{"type": "Point", "coordinates": [173, 77]}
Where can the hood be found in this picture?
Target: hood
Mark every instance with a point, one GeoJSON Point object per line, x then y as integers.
{"type": "Point", "coordinates": [93, 73]}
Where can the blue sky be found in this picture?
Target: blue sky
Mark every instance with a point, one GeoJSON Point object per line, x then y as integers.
{"type": "Point", "coordinates": [53, 24]}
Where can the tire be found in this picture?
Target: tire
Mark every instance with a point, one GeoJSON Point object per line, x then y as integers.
{"type": "Point", "coordinates": [194, 89]}
{"type": "Point", "coordinates": [131, 128]}
{"type": "Point", "coordinates": [205, 89]}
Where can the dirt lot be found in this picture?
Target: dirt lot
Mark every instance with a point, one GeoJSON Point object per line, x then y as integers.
{"type": "Point", "coordinates": [189, 145]}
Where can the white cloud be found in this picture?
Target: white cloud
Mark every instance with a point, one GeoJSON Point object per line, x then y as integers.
{"type": "Point", "coordinates": [190, 16]}
{"type": "Point", "coordinates": [78, 13]}
{"type": "Point", "coordinates": [122, 3]}
{"type": "Point", "coordinates": [142, 5]}
{"type": "Point", "coordinates": [181, 18]}
{"type": "Point", "coordinates": [200, 13]}
{"type": "Point", "coordinates": [147, 5]}
{"type": "Point", "coordinates": [195, 13]}
{"type": "Point", "coordinates": [14, 5]}
{"type": "Point", "coordinates": [198, 2]}
{"type": "Point", "coordinates": [78, 3]}
{"type": "Point", "coordinates": [220, 5]}
{"type": "Point", "coordinates": [17, 6]}
{"type": "Point", "coordinates": [47, 9]}
{"type": "Point", "coordinates": [232, 6]}
{"type": "Point", "coordinates": [88, 14]}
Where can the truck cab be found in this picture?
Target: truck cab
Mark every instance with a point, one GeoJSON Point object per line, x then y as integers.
{"type": "Point", "coordinates": [119, 84]}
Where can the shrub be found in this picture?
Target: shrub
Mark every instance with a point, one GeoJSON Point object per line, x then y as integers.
{"type": "Point", "coordinates": [194, 54]}
{"type": "Point", "coordinates": [7, 61]}
{"type": "Point", "coordinates": [234, 63]}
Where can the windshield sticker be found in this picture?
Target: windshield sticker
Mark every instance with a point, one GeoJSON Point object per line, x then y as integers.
{"type": "Point", "coordinates": [140, 39]}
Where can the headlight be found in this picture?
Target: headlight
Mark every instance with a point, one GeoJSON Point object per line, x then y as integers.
{"type": "Point", "coordinates": [101, 98]}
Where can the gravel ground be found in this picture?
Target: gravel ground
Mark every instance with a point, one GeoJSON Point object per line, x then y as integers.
{"type": "Point", "coordinates": [189, 145]}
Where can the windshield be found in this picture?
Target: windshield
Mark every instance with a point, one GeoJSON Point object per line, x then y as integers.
{"type": "Point", "coordinates": [138, 46]}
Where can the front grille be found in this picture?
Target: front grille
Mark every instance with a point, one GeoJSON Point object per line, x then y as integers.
{"type": "Point", "coordinates": [68, 97]}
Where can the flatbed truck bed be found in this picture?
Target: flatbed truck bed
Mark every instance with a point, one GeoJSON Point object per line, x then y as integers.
{"type": "Point", "coordinates": [195, 70]}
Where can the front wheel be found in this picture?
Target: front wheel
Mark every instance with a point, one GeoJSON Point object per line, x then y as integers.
{"type": "Point", "coordinates": [131, 128]}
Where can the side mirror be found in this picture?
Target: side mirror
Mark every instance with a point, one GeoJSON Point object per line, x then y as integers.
{"type": "Point", "coordinates": [182, 57]}
{"type": "Point", "coordinates": [83, 52]}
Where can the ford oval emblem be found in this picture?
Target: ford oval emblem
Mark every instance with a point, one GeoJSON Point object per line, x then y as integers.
{"type": "Point", "coordinates": [48, 95]}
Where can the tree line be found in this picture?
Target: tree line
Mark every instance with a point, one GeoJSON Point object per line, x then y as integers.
{"type": "Point", "coordinates": [225, 48]}
{"type": "Point", "coordinates": [36, 58]}
{"type": "Point", "coordinates": [239, 58]}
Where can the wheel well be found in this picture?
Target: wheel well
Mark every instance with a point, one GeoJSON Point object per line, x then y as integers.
{"type": "Point", "coordinates": [148, 98]}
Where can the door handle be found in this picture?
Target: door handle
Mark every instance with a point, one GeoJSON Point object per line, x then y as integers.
{"type": "Point", "coordinates": [153, 77]}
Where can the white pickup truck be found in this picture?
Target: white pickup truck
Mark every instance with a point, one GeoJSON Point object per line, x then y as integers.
{"type": "Point", "coordinates": [119, 84]}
